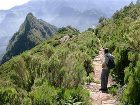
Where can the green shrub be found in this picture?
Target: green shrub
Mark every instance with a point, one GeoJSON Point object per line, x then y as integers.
{"type": "Point", "coordinates": [44, 95]}
{"type": "Point", "coordinates": [9, 96]}
{"type": "Point", "coordinates": [77, 96]}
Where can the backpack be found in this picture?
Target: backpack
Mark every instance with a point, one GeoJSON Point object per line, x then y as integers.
{"type": "Point", "coordinates": [111, 62]}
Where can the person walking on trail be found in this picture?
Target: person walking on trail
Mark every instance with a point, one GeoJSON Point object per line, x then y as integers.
{"type": "Point", "coordinates": [107, 64]}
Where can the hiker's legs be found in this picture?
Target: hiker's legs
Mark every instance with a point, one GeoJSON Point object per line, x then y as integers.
{"type": "Point", "coordinates": [107, 75]}
{"type": "Point", "coordinates": [104, 79]}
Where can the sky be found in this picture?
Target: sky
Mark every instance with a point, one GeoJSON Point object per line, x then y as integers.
{"type": "Point", "coordinates": [7, 4]}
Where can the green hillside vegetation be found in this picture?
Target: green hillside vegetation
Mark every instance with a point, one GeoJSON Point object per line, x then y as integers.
{"type": "Point", "coordinates": [121, 34]}
{"type": "Point", "coordinates": [32, 32]}
{"type": "Point", "coordinates": [52, 73]}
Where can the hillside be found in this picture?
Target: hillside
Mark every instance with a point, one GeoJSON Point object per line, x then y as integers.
{"type": "Point", "coordinates": [121, 34]}
{"type": "Point", "coordinates": [59, 64]}
{"type": "Point", "coordinates": [32, 32]}
{"type": "Point", "coordinates": [55, 71]}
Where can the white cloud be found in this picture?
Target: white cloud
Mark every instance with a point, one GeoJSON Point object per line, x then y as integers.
{"type": "Point", "coordinates": [7, 4]}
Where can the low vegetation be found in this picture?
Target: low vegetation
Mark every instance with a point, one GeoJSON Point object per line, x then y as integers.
{"type": "Point", "coordinates": [121, 34]}
{"type": "Point", "coordinates": [52, 73]}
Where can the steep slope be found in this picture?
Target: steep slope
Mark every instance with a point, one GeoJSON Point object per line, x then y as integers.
{"type": "Point", "coordinates": [52, 73]}
{"type": "Point", "coordinates": [121, 34]}
{"type": "Point", "coordinates": [32, 32]}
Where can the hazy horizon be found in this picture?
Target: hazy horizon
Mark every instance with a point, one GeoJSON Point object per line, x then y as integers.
{"type": "Point", "coordinates": [8, 4]}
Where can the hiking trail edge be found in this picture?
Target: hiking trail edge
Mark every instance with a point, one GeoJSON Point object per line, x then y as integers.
{"type": "Point", "coordinates": [96, 96]}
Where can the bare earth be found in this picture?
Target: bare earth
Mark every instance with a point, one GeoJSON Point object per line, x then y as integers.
{"type": "Point", "coordinates": [96, 96]}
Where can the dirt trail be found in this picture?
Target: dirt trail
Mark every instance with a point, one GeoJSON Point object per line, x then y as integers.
{"type": "Point", "coordinates": [96, 96]}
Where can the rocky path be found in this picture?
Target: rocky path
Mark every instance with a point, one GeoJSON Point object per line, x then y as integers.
{"type": "Point", "coordinates": [96, 96]}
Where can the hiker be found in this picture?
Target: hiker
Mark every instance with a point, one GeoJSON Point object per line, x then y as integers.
{"type": "Point", "coordinates": [107, 64]}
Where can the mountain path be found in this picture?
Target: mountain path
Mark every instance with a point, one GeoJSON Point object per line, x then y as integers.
{"type": "Point", "coordinates": [96, 96]}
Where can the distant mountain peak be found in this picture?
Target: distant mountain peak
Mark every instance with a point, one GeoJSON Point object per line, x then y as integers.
{"type": "Point", "coordinates": [30, 19]}
{"type": "Point", "coordinates": [30, 16]}
{"type": "Point", "coordinates": [32, 32]}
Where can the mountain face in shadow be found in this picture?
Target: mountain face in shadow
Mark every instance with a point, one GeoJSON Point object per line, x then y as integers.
{"type": "Point", "coordinates": [31, 32]}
